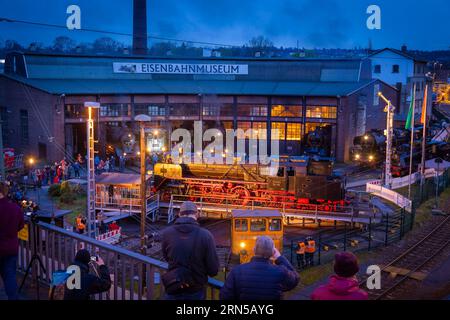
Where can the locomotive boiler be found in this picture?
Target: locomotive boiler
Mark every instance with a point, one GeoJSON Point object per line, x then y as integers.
{"type": "Point", "coordinates": [301, 184]}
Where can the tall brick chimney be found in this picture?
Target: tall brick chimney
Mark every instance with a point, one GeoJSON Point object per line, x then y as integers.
{"type": "Point", "coordinates": [139, 26]}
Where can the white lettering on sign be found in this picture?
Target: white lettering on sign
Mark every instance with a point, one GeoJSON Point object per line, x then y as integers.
{"type": "Point", "coordinates": [180, 68]}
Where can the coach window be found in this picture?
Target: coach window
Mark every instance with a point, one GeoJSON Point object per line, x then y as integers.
{"type": "Point", "coordinates": [327, 112]}
{"type": "Point", "coordinates": [240, 225]}
{"type": "Point", "coordinates": [257, 225]}
{"type": "Point", "coordinates": [275, 224]}
{"type": "Point", "coordinates": [286, 111]}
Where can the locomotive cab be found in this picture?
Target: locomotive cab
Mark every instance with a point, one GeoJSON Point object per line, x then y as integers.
{"type": "Point", "coordinates": [247, 225]}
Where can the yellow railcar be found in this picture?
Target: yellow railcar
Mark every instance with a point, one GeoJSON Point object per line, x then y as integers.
{"type": "Point", "coordinates": [247, 225]}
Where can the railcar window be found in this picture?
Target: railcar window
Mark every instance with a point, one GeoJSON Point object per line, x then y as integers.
{"type": "Point", "coordinates": [280, 172]}
{"type": "Point", "coordinates": [240, 225]}
{"type": "Point", "coordinates": [257, 224]}
{"type": "Point", "coordinates": [274, 224]}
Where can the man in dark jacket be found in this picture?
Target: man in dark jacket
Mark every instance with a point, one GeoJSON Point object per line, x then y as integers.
{"type": "Point", "coordinates": [186, 244]}
{"type": "Point", "coordinates": [11, 222]}
{"type": "Point", "coordinates": [90, 283]}
{"type": "Point", "coordinates": [260, 279]}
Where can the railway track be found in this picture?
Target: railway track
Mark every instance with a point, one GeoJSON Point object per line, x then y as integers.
{"type": "Point", "coordinates": [401, 275]}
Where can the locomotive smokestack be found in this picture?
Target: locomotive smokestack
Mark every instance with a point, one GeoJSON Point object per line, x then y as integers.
{"type": "Point", "coordinates": [140, 26]}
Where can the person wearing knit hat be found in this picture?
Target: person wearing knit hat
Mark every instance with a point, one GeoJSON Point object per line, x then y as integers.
{"type": "Point", "coordinates": [343, 285]}
{"type": "Point", "coordinates": [188, 208]}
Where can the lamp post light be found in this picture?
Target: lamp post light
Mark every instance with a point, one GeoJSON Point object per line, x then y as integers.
{"type": "Point", "coordinates": [91, 218]}
{"type": "Point", "coordinates": [142, 118]}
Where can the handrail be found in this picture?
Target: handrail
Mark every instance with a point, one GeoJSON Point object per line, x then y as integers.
{"type": "Point", "coordinates": [134, 275]}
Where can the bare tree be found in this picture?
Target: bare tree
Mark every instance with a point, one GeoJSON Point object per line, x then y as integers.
{"type": "Point", "coordinates": [260, 42]}
{"type": "Point", "coordinates": [107, 44]}
{"type": "Point", "coordinates": [63, 44]}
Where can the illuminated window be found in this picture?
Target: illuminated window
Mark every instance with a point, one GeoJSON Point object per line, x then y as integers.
{"type": "Point", "coordinates": [281, 127]}
{"type": "Point", "coordinates": [150, 109]}
{"type": "Point", "coordinates": [294, 131]}
{"type": "Point", "coordinates": [113, 110]}
{"type": "Point", "coordinates": [259, 130]}
{"type": "Point", "coordinates": [257, 224]}
{"type": "Point", "coordinates": [244, 125]}
{"type": "Point", "coordinates": [211, 109]}
{"type": "Point", "coordinates": [327, 112]}
{"type": "Point", "coordinates": [275, 225]}
{"type": "Point", "coordinates": [311, 126]}
{"type": "Point", "coordinates": [286, 110]}
{"type": "Point", "coordinates": [240, 225]}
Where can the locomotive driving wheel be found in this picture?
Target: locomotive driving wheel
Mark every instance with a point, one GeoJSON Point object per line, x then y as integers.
{"type": "Point", "coordinates": [241, 196]}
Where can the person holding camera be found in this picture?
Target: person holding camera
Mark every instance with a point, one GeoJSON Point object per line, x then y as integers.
{"type": "Point", "coordinates": [11, 222]}
{"type": "Point", "coordinates": [265, 277]}
{"type": "Point", "coordinates": [191, 254]}
{"type": "Point", "coordinates": [90, 283]}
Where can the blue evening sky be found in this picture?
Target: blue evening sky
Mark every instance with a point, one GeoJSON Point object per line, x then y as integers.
{"type": "Point", "coordinates": [313, 23]}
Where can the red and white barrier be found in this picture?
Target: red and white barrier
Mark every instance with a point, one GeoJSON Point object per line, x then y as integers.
{"type": "Point", "coordinates": [110, 237]}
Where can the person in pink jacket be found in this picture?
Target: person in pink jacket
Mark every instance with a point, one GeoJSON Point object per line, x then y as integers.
{"type": "Point", "coordinates": [343, 285]}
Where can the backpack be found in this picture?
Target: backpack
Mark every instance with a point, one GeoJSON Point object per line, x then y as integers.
{"type": "Point", "coordinates": [58, 285]}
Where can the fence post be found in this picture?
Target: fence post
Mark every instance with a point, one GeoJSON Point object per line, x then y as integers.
{"type": "Point", "coordinates": [402, 221]}
{"type": "Point", "coordinates": [345, 236]}
{"type": "Point", "coordinates": [292, 251]}
{"type": "Point", "coordinates": [320, 249]}
{"type": "Point", "coordinates": [387, 230]}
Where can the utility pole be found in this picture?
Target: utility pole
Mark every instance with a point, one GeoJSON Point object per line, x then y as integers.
{"type": "Point", "coordinates": [142, 118]}
{"type": "Point", "coordinates": [2, 155]}
{"type": "Point", "coordinates": [389, 133]}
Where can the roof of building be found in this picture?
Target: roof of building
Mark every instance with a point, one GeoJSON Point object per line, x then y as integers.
{"type": "Point", "coordinates": [285, 88]}
{"type": "Point", "coordinates": [399, 52]}
{"type": "Point", "coordinates": [118, 178]}
{"type": "Point", "coordinates": [241, 213]}
{"type": "Point", "coordinates": [81, 74]}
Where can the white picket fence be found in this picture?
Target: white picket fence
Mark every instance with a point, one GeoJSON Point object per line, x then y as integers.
{"type": "Point", "coordinates": [390, 195]}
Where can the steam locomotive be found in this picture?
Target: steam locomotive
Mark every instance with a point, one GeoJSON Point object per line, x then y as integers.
{"type": "Point", "coordinates": [370, 148]}
{"type": "Point", "coordinates": [317, 142]}
{"type": "Point", "coordinates": [300, 183]}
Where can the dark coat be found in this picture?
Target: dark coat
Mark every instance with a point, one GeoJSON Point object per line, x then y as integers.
{"type": "Point", "coordinates": [11, 222]}
{"type": "Point", "coordinates": [260, 280]}
{"type": "Point", "coordinates": [178, 245]}
{"type": "Point", "coordinates": [90, 283]}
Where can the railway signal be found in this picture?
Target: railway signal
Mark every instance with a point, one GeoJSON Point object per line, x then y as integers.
{"type": "Point", "coordinates": [389, 133]}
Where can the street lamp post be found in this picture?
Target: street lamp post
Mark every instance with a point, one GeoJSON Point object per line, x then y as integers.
{"type": "Point", "coordinates": [142, 118]}
{"type": "Point", "coordinates": [91, 227]}
{"type": "Point", "coordinates": [389, 109]}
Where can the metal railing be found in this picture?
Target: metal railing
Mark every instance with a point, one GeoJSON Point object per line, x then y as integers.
{"type": "Point", "coordinates": [135, 277]}
{"type": "Point", "coordinates": [225, 205]}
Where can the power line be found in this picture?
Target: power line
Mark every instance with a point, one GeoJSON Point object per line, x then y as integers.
{"type": "Point", "coordinates": [49, 25]}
